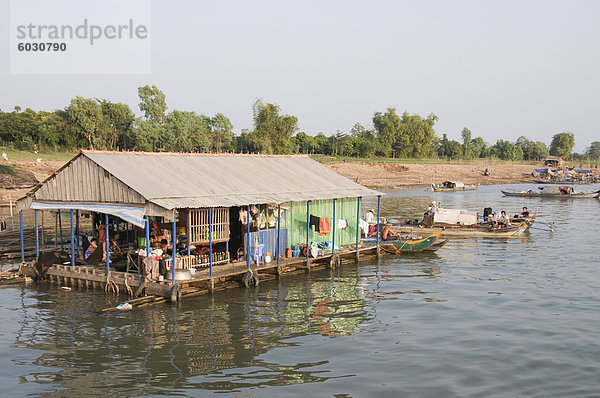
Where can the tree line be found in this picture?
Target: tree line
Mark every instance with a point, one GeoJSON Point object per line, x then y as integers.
{"type": "Point", "coordinates": [101, 124]}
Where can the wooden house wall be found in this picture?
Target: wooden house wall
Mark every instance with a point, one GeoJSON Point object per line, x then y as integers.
{"type": "Point", "coordinates": [345, 209]}
{"type": "Point", "coordinates": [85, 181]}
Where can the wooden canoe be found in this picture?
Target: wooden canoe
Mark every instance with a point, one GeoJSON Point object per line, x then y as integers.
{"type": "Point", "coordinates": [405, 244]}
{"type": "Point", "coordinates": [466, 230]}
{"type": "Point", "coordinates": [533, 194]}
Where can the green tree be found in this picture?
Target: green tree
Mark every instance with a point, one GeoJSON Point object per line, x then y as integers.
{"type": "Point", "coordinates": [152, 103]}
{"type": "Point", "coordinates": [478, 147]}
{"type": "Point", "coordinates": [593, 152]}
{"type": "Point", "coordinates": [466, 137]}
{"type": "Point", "coordinates": [387, 126]}
{"type": "Point", "coordinates": [506, 150]}
{"type": "Point", "coordinates": [119, 121]}
{"type": "Point", "coordinates": [86, 115]}
{"type": "Point", "coordinates": [186, 132]}
{"type": "Point", "coordinates": [272, 131]}
{"type": "Point", "coordinates": [304, 143]}
{"type": "Point", "coordinates": [409, 136]}
{"type": "Point", "coordinates": [562, 145]}
{"type": "Point", "coordinates": [221, 131]}
{"type": "Point", "coordinates": [537, 150]}
{"type": "Point", "coordinates": [147, 135]}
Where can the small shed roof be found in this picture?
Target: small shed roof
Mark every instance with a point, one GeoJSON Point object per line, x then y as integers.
{"type": "Point", "coordinates": [161, 182]}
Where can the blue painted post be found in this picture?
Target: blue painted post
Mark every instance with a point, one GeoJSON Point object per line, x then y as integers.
{"type": "Point", "coordinates": [22, 242]}
{"type": "Point", "coordinates": [189, 234]}
{"type": "Point", "coordinates": [77, 231]}
{"type": "Point", "coordinates": [174, 250]}
{"type": "Point", "coordinates": [378, 210]}
{"type": "Point", "coordinates": [147, 236]}
{"type": "Point", "coordinates": [333, 228]}
{"type": "Point", "coordinates": [307, 230]}
{"type": "Point", "coordinates": [106, 242]}
{"type": "Point", "coordinates": [357, 223]}
{"type": "Point", "coordinates": [210, 251]}
{"type": "Point", "coordinates": [278, 232]}
{"type": "Point", "coordinates": [72, 241]}
{"type": "Point", "coordinates": [60, 231]}
{"type": "Point", "coordinates": [37, 238]}
{"type": "Point", "coordinates": [248, 238]}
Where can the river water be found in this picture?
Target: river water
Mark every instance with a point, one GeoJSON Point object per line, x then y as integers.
{"type": "Point", "coordinates": [482, 317]}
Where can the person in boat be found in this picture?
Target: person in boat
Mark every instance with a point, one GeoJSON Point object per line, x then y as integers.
{"type": "Point", "coordinates": [433, 208]}
{"type": "Point", "coordinates": [503, 219]}
{"type": "Point", "coordinates": [387, 235]}
{"type": "Point", "coordinates": [486, 172]}
{"type": "Point", "coordinates": [370, 216]}
{"type": "Point", "coordinates": [525, 213]}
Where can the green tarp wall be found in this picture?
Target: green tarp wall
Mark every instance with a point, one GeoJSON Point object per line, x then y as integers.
{"type": "Point", "coordinates": [345, 209]}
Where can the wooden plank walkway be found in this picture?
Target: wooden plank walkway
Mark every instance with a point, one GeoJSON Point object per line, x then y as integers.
{"type": "Point", "coordinates": [224, 276]}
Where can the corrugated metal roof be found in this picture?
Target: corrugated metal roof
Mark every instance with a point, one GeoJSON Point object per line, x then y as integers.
{"type": "Point", "coordinates": [182, 180]}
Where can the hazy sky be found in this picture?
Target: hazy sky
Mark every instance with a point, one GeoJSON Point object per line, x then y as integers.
{"type": "Point", "coordinates": [503, 69]}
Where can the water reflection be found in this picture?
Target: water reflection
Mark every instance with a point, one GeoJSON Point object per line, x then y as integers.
{"type": "Point", "coordinates": [166, 346]}
{"type": "Point", "coordinates": [440, 322]}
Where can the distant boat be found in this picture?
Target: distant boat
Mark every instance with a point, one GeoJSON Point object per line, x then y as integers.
{"type": "Point", "coordinates": [407, 243]}
{"type": "Point", "coordinates": [451, 186]}
{"type": "Point", "coordinates": [553, 191]}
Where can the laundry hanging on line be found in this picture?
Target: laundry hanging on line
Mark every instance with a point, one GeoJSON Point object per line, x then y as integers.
{"type": "Point", "coordinates": [324, 227]}
{"type": "Point", "coordinates": [314, 222]}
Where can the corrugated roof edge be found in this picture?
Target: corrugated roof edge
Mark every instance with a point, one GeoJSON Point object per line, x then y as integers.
{"type": "Point", "coordinates": [226, 154]}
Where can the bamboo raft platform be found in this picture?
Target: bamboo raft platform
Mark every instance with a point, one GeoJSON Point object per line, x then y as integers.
{"type": "Point", "coordinates": [145, 292]}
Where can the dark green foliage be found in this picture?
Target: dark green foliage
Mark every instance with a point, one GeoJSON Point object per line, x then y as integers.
{"type": "Point", "coordinates": [562, 145]}
{"type": "Point", "coordinates": [102, 124]}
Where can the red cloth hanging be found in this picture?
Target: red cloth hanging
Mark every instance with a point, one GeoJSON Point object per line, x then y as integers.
{"type": "Point", "coordinates": [324, 228]}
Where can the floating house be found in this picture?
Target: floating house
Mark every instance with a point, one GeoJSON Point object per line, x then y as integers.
{"type": "Point", "coordinates": [222, 214]}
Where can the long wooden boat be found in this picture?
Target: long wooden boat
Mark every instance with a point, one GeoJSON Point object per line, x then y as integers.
{"type": "Point", "coordinates": [437, 245]}
{"type": "Point", "coordinates": [405, 244]}
{"type": "Point", "coordinates": [561, 194]}
{"type": "Point", "coordinates": [452, 186]}
{"type": "Point", "coordinates": [481, 229]}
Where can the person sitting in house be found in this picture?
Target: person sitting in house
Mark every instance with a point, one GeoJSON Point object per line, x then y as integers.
{"type": "Point", "coordinates": [116, 253]}
{"type": "Point", "coordinates": [386, 234]}
{"type": "Point", "coordinates": [93, 255]}
{"type": "Point", "coordinates": [164, 245]}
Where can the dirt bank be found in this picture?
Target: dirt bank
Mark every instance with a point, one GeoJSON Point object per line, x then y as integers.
{"type": "Point", "coordinates": [398, 175]}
